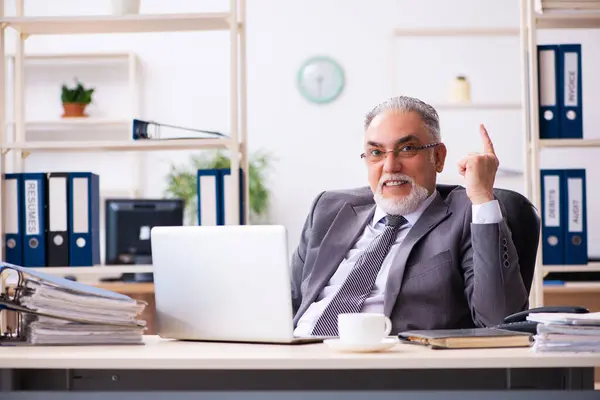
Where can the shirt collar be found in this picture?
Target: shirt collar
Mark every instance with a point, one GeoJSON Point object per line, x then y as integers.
{"type": "Point", "coordinates": [411, 217]}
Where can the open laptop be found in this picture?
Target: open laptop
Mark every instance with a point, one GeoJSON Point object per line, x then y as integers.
{"type": "Point", "coordinates": [223, 283]}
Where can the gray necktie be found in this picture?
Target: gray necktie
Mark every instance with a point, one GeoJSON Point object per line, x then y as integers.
{"type": "Point", "coordinates": [359, 283]}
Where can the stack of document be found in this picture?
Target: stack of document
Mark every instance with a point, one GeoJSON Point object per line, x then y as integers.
{"type": "Point", "coordinates": [60, 315]}
{"type": "Point", "coordinates": [566, 332]}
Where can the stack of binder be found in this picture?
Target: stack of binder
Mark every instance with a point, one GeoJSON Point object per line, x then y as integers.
{"type": "Point", "coordinates": [216, 205]}
{"type": "Point", "coordinates": [564, 217]}
{"type": "Point", "coordinates": [57, 311]}
{"type": "Point", "coordinates": [566, 332]}
{"type": "Point", "coordinates": [560, 91]}
{"type": "Point", "coordinates": [53, 219]}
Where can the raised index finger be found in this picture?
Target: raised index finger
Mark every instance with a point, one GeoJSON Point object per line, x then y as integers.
{"type": "Point", "coordinates": [488, 146]}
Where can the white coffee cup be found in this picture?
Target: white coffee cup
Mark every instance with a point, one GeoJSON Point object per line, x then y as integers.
{"type": "Point", "coordinates": [363, 328]}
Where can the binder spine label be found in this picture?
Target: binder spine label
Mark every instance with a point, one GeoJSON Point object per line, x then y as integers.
{"type": "Point", "coordinates": [208, 198]}
{"type": "Point", "coordinates": [552, 200]}
{"type": "Point", "coordinates": [32, 217]}
{"type": "Point", "coordinates": [13, 244]}
{"type": "Point", "coordinates": [575, 204]}
{"type": "Point", "coordinates": [571, 69]}
{"type": "Point", "coordinates": [81, 206]}
{"type": "Point", "coordinates": [57, 204]}
{"type": "Point", "coordinates": [12, 204]}
{"type": "Point", "coordinates": [547, 75]}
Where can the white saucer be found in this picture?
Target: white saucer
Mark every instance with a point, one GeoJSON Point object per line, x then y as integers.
{"type": "Point", "coordinates": [339, 345]}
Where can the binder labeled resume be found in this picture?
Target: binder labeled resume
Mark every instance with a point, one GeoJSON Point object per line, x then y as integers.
{"type": "Point", "coordinates": [34, 219]}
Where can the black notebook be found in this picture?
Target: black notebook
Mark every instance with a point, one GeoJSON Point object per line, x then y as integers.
{"type": "Point", "coordinates": [467, 338]}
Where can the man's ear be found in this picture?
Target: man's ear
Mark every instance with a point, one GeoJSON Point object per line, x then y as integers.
{"type": "Point", "coordinates": [440, 157]}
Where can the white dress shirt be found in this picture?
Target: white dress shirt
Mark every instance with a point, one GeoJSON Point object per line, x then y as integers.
{"type": "Point", "coordinates": [482, 214]}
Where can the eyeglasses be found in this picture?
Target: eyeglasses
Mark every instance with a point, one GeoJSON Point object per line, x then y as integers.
{"type": "Point", "coordinates": [376, 155]}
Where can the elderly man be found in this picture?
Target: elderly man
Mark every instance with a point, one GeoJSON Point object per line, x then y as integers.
{"type": "Point", "coordinates": [397, 248]}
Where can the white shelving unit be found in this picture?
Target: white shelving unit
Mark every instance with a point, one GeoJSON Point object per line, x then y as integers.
{"type": "Point", "coordinates": [232, 21]}
{"type": "Point", "coordinates": [76, 123]}
{"type": "Point", "coordinates": [464, 32]}
{"type": "Point", "coordinates": [57, 25]}
{"type": "Point", "coordinates": [535, 16]}
{"type": "Point", "coordinates": [72, 130]}
{"type": "Point", "coordinates": [477, 106]}
{"type": "Point", "coordinates": [445, 32]}
{"type": "Point", "coordinates": [458, 32]}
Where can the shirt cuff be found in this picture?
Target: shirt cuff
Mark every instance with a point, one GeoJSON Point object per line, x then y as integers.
{"type": "Point", "coordinates": [487, 213]}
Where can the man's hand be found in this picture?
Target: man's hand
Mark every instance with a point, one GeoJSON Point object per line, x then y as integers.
{"type": "Point", "coordinates": [479, 170]}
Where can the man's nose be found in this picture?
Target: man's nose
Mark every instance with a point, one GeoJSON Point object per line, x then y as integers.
{"type": "Point", "coordinates": [391, 163]}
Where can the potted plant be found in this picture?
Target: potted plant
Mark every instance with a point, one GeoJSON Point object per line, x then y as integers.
{"type": "Point", "coordinates": [75, 100]}
{"type": "Point", "coordinates": [182, 182]}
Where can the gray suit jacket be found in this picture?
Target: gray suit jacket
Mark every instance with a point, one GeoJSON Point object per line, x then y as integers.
{"type": "Point", "coordinates": [449, 273]}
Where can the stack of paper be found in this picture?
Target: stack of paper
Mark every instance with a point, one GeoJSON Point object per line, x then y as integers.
{"type": "Point", "coordinates": [566, 332]}
{"type": "Point", "coordinates": [61, 315]}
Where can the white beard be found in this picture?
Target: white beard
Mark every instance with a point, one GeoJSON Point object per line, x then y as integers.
{"type": "Point", "coordinates": [400, 205]}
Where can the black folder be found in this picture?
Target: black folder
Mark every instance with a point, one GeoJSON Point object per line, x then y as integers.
{"type": "Point", "coordinates": [57, 239]}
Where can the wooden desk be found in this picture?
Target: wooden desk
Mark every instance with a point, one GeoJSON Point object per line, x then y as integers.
{"type": "Point", "coordinates": [177, 365]}
{"type": "Point", "coordinates": [128, 288]}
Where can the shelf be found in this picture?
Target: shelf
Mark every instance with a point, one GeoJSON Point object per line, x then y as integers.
{"type": "Point", "coordinates": [96, 270]}
{"type": "Point", "coordinates": [140, 145]}
{"type": "Point", "coordinates": [77, 56]}
{"type": "Point", "coordinates": [570, 142]}
{"type": "Point", "coordinates": [574, 287]}
{"type": "Point", "coordinates": [77, 123]}
{"type": "Point", "coordinates": [457, 32]}
{"type": "Point", "coordinates": [541, 5]}
{"type": "Point", "coordinates": [507, 172]}
{"type": "Point", "coordinates": [118, 24]}
{"type": "Point", "coordinates": [477, 106]}
{"type": "Point", "coordinates": [591, 267]}
{"type": "Point", "coordinates": [569, 20]}
{"type": "Point", "coordinates": [74, 57]}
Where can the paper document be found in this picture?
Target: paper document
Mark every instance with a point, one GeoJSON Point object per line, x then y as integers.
{"type": "Point", "coordinates": [57, 311]}
{"type": "Point", "coordinates": [570, 332]}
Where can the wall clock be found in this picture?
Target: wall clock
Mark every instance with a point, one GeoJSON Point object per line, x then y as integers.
{"type": "Point", "coordinates": [320, 80]}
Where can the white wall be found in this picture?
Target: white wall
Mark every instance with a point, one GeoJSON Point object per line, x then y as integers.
{"type": "Point", "coordinates": [185, 78]}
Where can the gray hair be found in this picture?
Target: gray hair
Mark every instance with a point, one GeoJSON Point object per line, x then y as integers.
{"type": "Point", "coordinates": [406, 104]}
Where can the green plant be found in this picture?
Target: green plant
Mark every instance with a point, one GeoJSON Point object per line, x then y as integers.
{"type": "Point", "coordinates": [78, 94]}
{"type": "Point", "coordinates": [182, 183]}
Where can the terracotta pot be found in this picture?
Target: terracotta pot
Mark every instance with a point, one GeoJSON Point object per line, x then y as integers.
{"type": "Point", "coordinates": [74, 110]}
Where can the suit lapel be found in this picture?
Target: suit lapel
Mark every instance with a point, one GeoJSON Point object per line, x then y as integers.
{"type": "Point", "coordinates": [433, 215]}
{"type": "Point", "coordinates": [343, 233]}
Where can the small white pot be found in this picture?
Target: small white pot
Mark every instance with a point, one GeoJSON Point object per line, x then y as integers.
{"type": "Point", "coordinates": [123, 7]}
